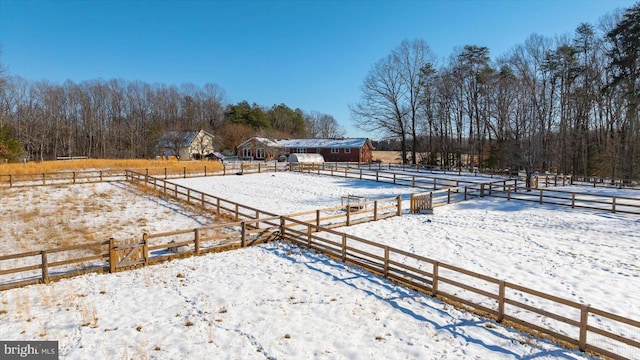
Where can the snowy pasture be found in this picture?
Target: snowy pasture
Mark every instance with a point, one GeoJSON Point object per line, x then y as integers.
{"type": "Point", "coordinates": [277, 301]}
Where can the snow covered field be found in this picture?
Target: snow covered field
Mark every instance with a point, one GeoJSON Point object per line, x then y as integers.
{"type": "Point", "coordinates": [276, 301]}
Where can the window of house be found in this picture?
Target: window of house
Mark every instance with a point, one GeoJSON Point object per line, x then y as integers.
{"type": "Point", "coordinates": [260, 153]}
{"type": "Point", "coordinates": [335, 150]}
{"type": "Point", "coordinates": [301, 150]}
{"type": "Point", "coordinates": [347, 151]}
{"type": "Point", "coordinates": [246, 152]}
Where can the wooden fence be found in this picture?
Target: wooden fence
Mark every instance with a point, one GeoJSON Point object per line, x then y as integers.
{"type": "Point", "coordinates": [335, 216]}
{"type": "Point", "coordinates": [426, 201]}
{"type": "Point", "coordinates": [606, 183]}
{"type": "Point", "coordinates": [60, 178]}
{"type": "Point", "coordinates": [609, 203]}
{"type": "Point", "coordinates": [35, 267]}
{"type": "Point", "coordinates": [576, 325]}
{"type": "Point", "coordinates": [94, 176]}
{"type": "Point", "coordinates": [361, 172]}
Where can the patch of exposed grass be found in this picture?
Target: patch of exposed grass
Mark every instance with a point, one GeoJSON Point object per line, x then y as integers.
{"type": "Point", "coordinates": [154, 166]}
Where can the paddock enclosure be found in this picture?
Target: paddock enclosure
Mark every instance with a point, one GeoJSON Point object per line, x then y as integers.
{"type": "Point", "coordinates": [576, 324]}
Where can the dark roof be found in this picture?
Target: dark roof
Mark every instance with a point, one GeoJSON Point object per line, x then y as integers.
{"type": "Point", "coordinates": [176, 139]}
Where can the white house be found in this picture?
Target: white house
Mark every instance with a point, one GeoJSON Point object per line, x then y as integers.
{"type": "Point", "coordinates": [185, 145]}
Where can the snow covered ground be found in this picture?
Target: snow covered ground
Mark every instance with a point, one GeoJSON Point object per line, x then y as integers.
{"type": "Point", "coordinates": [276, 301]}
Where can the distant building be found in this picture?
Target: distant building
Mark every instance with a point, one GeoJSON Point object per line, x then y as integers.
{"type": "Point", "coordinates": [185, 145]}
{"type": "Point", "coordinates": [332, 150]}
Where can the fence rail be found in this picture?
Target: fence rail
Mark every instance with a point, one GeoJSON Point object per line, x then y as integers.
{"type": "Point", "coordinates": [427, 201]}
{"type": "Point", "coordinates": [606, 183]}
{"type": "Point", "coordinates": [328, 217]}
{"type": "Point", "coordinates": [579, 325]}
{"type": "Point", "coordinates": [609, 203]}
{"type": "Point", "coordinates": [93, 176]}
{"type": "Point", "coordinates": [361, 172]}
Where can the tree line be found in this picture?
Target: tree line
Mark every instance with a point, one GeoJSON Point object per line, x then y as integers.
{"type": "Point", "coordinates": [568, 104]}
{"type": "Point", "coordinates": [41, 120]}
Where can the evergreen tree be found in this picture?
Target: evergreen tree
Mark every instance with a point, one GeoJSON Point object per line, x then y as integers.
{"type": "Point", "coordinates": [624, 54]}
{"type": "Point", "coordinates": [10, 148]}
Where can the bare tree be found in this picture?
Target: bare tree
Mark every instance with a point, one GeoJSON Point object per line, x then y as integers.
{"type": "Point", "coordinates": [390, 100]}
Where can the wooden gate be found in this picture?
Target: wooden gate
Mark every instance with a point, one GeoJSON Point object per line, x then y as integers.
{"type": "Point", "coordinates": [127, 254]}
{"type": "Point", "coordinates": [422, 203]}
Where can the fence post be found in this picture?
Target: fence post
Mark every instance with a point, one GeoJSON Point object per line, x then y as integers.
{"type": "Point", "coordinates": [482, 190]}
{"type": "Point", "coordinates": [145, 248]}
{"type": "Point", "coordinates": [541, 196]}
{"type": "Point", "coordinates": [448, 195]}
{"type": "Point", "coordinates": [375, 210]}
{"type": "Point", "coordinates": [237, 213]}
{"type": "Point", "coordinates": [45, 267]}
{"type": "Point", "coordinates": [244, 234]}
{"type": "Point", "coordinates": [344, 247]}
{"type": "Point", "coordinates": [112, 255]}
{"type": "Point", "coordinates": [394, 177]}
{"type": "Point", "coordinates": [259, 168]}
{"type": "Point", "coordinates": [74, 177]}
{"type": "Point", "coordinates": [205, 171]}
{"type": "Point", "coordinates": [399, 206]}
{"type": "Point", "coordinates": [309, 232]}
{"type": "Point", "coordinates": [317, 220]}
{"type": "Point", "coordinates": [10, 181]}
{"type": "Point", "coordinates": [509, 193]}
{"type": "Point", "coordinates": [501, 297]}
{"type": "Point", "coordinates": [196, 240]}
{"type": "Point", "coordinates": [465, 192]}
{"type": "Point", "coordinates": [613, 204]}
{"type": "Point", "coordinates": [573, 200]}
{"type": "Point", "coordinates": [202, 200]}
{"type": "Point", "coordinates": [44, 181]}
{"type": "Point", "coordinates": [584, 317]}
{"type": "Point", "coordinates": [435, 279]}
{"type": "Point", "coordinates": [217, 206]}
{"type": "Point", "coordinates": [282, 227]}
{"type": "Point", "coordinates": [348, 214]}
{"type": "Point", "coordinates": [412, 204]}
{"type": "Point", "coordinates": [386, 262]}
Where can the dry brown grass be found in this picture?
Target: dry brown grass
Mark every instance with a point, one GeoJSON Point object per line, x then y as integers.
{"type": "Point", "coordinates": [391, 157]}
{"type": "Point", "coordinates": [154, 166]}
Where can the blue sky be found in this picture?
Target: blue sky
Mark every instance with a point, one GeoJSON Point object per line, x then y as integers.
{"type": "Point", "coordinates": [309, 54]}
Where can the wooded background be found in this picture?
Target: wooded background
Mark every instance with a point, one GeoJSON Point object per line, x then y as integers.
{"type": "Point", "coordinates": [567, 104]}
